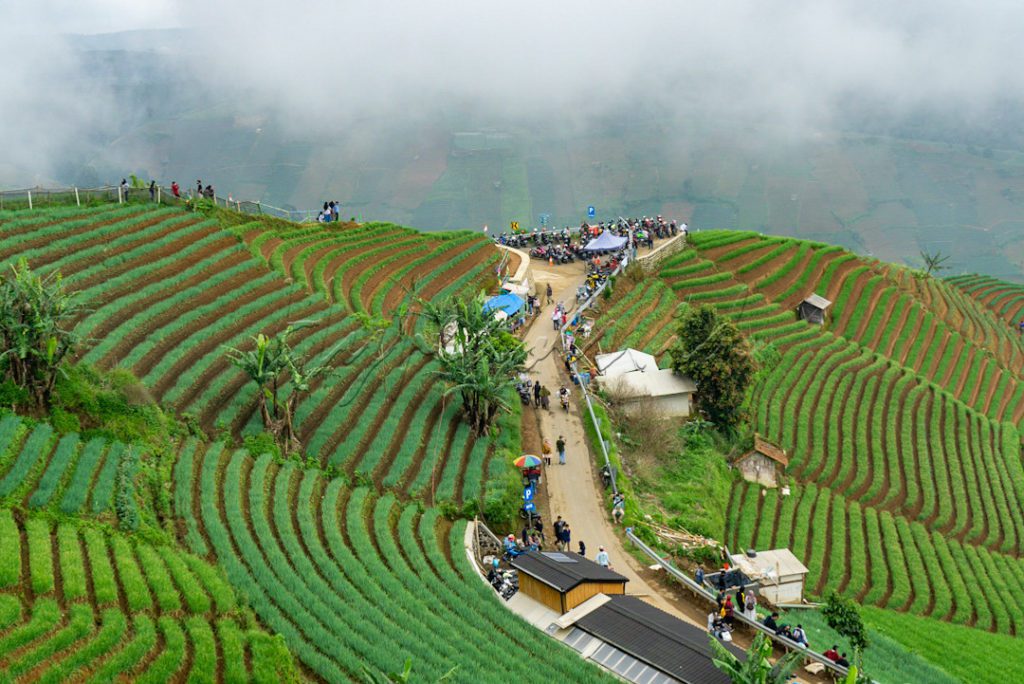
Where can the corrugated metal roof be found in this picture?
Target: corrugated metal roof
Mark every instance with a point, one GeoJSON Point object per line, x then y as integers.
{"type": "Point", "coordinates": [774, 563]}
{"type": "Point", "coordinates": [653, 636]}
{"type": "Point", "coordinates": [562, 575]}
{"type": "Point", "coordinates": [625, 361]}
{"type": "Point", "coordinates": [768, 449]}
{"type": "Point", "coordinates": [818, 301]}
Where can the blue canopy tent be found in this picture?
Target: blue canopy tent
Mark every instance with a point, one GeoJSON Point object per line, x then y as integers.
{"type": "Point", "coordinates": [509, 303]}
{"type": "Point", "coordinates": [604, 242]}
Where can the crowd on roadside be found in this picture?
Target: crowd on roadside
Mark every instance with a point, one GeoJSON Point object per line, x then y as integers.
{"type": "Point", "coordinates": [565, 245]}
{"type": "Point", "coordinates": [722, 620]}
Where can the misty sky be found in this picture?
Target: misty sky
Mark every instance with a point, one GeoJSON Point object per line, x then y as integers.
{"type": "Point", "coordinates": [321, 63]}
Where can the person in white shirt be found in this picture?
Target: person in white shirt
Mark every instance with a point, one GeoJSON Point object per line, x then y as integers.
{"type": "Point", "coordinates": [602, 557]}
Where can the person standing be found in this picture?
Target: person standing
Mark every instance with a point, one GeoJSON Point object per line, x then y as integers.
{"type": "Point", "coordinates": [602, 557]}
{"type": "Point", "coordinates": [536, 395]}
{"type": "Point", "coordinates": [566, 537]}
{"type": "Point", "coordinates": [750, 606]}
{"type": "Point", "coordinates": [699, 576]}
{"type": "Point", "coordinates": [152, 191]}
{"type": "Point", "coordinates": [556, 319]}
{"type": "Point", "coordinates": [550, 294]}
{"type": "Point", "coordinates": [545, 449]}
{"type": "Point", "coordinates": [124, 189]}
{"type": "Point", "coordinates": [618, 507]}
{"type": "Point", "coordinates": [199, 188]}
{"type": "Point", "coordinates": [560, 447]}
{"type": "Point", "coordinates": [175, 190]}
{"type": "Point", "coordinates": [583, 549]}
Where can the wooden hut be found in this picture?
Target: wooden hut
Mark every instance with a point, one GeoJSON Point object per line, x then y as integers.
{"type": "Point", "coordinates": [813, 309]}
{"type": "Point", "coordinates": [562, 581]}
{"type": "Point", "coordinates": [762, 463]}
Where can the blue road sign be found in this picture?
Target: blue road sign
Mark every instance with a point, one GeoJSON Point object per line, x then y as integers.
{"type": "Point", "coordinates": [591, 211]}
{"type": "Point", "coordinates": [528, 494]}
{"type": "Point", "coordinates": [529, 507]}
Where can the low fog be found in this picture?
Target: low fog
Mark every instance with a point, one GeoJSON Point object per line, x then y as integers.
{"type": "Point", "coordinates": [789, 66]}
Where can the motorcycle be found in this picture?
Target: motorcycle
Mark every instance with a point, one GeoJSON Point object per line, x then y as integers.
{"type": "Point", "coordinates": [564, 399]}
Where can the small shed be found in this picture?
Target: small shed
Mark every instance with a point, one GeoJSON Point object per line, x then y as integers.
{"type": "Point", "coordinates": [661, 391]}
{"type": "Point", "coordinates": [562, 581]}
{"type": "Point", "coordinates": [778, 572]}
{"type": "Point", "coordinates": [813, 309]}
{"type": "Point", "coordinates": [763, 463]}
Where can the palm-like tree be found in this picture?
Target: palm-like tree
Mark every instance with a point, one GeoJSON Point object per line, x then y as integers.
{"type": "Point", "coordinates": [757, 668]}
{"type": "Point", "coordinates": [479, 360]}
{"type": "Point", "coordinates": [36, 329]}
{"type": "Point", "coordinates": [272, 365]}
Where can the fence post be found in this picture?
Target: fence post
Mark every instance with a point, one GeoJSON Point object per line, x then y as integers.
{"type": "Point", "coordinates": [158, 189]}
{"type": "Point", "coordinates": [29, 198]}
{"type": "Point", "coordinates": [78, 202]}
{"type": "Point", "coordinates": [120, 200]}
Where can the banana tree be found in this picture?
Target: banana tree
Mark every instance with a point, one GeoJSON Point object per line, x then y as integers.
{"type": "Point", "coordinates": [273, 366]}
{"type": "Point", "coordinates": [37, 318]}
{"type": "Point", "coordinates": [757, 668]}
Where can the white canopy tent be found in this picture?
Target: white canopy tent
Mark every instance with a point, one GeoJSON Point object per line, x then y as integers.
{"type": "Point", "coordinates": [604, 242]}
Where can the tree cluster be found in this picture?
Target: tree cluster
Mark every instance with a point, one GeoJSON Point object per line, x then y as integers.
{"type": "Point", "coordinates": [479, 360]}
{"type": "Point", "coordinates": [713, 353]}
{"type": "Point", "coordinates": [37, 330]}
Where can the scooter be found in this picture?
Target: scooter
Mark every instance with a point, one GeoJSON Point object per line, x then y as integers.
{"type": "Point", "coordinates": [564, 398]}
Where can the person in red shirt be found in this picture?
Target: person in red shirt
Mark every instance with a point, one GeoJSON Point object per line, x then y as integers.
{"type": "Point", "coordinates": [832, 654]}
{"type": "Point", "coordinates": [175, 190]}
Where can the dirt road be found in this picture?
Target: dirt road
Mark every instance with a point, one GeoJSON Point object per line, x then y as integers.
{"type": "Point", "coordinates": [573, 489]}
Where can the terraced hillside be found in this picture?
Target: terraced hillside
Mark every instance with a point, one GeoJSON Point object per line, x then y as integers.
{"type": "Point", "coordinates": [167, 290]}
{"type": "Point", "coordinates": [901, 417]}
{"type": "Point", "coordinates": [78, 603]}
{"type": "Point", "coordinates": [348, 576]}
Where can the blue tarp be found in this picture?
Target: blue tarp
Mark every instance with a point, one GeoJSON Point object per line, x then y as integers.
{"type": "Point", "coordinates": [605, 241]}
{"type": "Point", "coordinates": [509, 303]}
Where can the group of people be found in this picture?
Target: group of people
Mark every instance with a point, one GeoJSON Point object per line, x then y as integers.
{"type": "Point", "coordinates": [836, 657]}
{"type": "Point", "coordinates": [722, 620]}
{"type": "Point", "coordinates": [796, 634]}
{"type": "Point", "coordinates": [645, 229]}
{"type": "Point", "coordinates": [330, 212]}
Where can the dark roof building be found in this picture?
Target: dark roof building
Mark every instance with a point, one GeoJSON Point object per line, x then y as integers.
{"type": "Point", "coordinates": [562, 581]}
{"type": "Point", "coordinates": [642, 643]}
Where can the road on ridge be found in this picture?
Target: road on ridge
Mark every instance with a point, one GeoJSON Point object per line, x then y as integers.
{"type": "Point", "coordinates": [573, 489]}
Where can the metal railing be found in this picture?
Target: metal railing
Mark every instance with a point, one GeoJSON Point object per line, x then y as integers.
{"type": "Point", "coordinates": [783, 642]}
{"type": "Point", "coordinates": [33, 198]}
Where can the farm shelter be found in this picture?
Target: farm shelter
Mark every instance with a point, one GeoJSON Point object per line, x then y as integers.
{"type": "Point", "coordinates": [641, 643]}
{"type": "Point", "coordinates": [562, 581]}
{"type": "Point", "coordinates": [813, 309]}
{"type": "Point", "coordinates": [660, 391]}
{"type": "Point", "coordinates": [762, 463]}
{"type": "Point", "coordinates": [779, 573]}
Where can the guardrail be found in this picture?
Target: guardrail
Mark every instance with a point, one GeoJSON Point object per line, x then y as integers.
{"type": "Point", "coordinates": [837, 671]}
{"type": "Point", "coordinates": [33, 198]}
